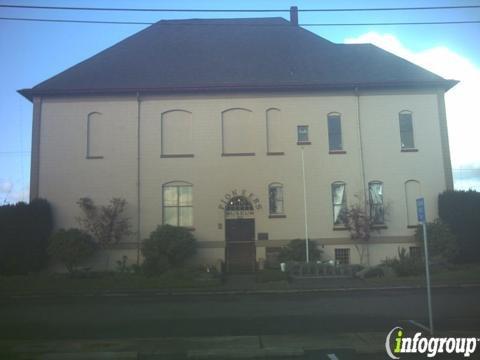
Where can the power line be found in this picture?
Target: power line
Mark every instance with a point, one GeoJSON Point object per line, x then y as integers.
{"type": "Point", "coordinates": [236, 24]}
{"type": "Point", "coordinates": [237, 10]}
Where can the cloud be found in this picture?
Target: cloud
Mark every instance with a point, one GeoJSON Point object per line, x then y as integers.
{"type": "Point", "coordinates": [6, 186]}
{"type": "Point", "coordinates": [9, 193]}
{"type": "Point", "coordinates": [461, 101]}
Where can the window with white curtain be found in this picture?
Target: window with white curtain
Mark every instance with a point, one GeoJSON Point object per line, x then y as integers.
{"type": "Point", "coordinates": [339, 203]}
{"type": "Point", "coordinates": [178, 204]}
{"type": "Point", "coordinates": [275, 199]}
{"type": "Point", "coordinates": [377, 211]}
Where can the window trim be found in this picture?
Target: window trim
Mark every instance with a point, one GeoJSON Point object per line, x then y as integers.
{"type": "Point", "coordinates": [276, 214]}
{"type": "Point", "coordinates": [88, 156]}
{"type": "Point", "coordinates": [303, 142]}
{"type": "Point", "coordinates": [348, 252]}
{"type": "Point", "coordinates": [406, 149]}
{"type": "Point", "coordinates": [222, 119]}
{"type": "Point", "coordinates": [375, 224]}
{"type": "Point", "coordinates": [341, 149]}
{"type": "Point", "coordinates": [162, 134]}
{"type": "Point", "coordinates": [339, 225]}
{"type": "Point", "coordinates": [267, 123]}
{"type": "Point", "coordinates": [177, 184]}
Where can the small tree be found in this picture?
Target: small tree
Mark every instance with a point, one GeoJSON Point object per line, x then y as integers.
{"type": "Point", "coordinates": [168, 246]}
{"type": "Point", "coordinates": [106, 224]}
{"type": "Point", "coordinates": [295, 251]}
{"type": "Point", "coordinates": [71, 247]}
{"type": "Point", "coordinates": [361, 225]}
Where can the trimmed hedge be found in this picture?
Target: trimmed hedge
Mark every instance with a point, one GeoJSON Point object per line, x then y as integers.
{"type": "Point", "coordinates": [24, 233]}
{"type": "Point", "coordinates": [461, 211]}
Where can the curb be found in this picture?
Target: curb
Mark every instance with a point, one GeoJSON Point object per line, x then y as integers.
{"type": "Point", "coordinates": [154, 292]}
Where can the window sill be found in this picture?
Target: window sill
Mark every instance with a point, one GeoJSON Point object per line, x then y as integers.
{"type": "Point", "coordinates": [413, 226]}
{"type": "Point", "coordinates": [189, 228]}
{"type": "Point", "coordinates": [276, 153]}
{"type": "Point", "coordinates": [176, 156]}
{"type": "Point", "coordinates": [379, 227]}
{"type": "Point", "coordinates": [334, 152]}
{"type": "Point", "coordinates": [304, 143]}
{"type": "Point", "coordinates": [339, 228]}
{"type": "Point", "coordinates": [277, 216]}
{"type": "Point", "coordinates": [238, 154]}
{"type": "Point", "coordinates": [409, 150]}
{"type": "Point", "coordinates": [94, 157]}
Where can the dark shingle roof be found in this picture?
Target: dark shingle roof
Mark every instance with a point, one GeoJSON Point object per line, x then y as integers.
{"type": "Point", "coordinates": [240, 54]}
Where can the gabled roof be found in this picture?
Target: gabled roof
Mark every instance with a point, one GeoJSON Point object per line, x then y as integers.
{"type": "Point", "coordinates": [234, 54]}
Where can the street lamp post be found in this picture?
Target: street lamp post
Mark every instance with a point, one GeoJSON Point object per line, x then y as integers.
{"type": "Point", "coordinates": [305, 207]}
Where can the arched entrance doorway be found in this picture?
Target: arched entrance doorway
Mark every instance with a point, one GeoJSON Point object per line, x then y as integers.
{"type": "Point", "coordinates": [240, 235]}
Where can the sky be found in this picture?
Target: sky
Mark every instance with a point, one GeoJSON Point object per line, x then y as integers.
{"type": "Point", "coordinates": [31, 52]}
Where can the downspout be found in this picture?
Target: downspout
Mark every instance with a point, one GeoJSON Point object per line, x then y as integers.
{"type": "Point", "coordinates": [138, 180]}
{"type": "Point", "coordinates": [362, 162]}
{"type": "Point", "coordinates": [35, 152]}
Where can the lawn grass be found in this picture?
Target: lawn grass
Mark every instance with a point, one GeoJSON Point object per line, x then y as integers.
{"type": "Point", "coordinates": [458, 274]}
{"type": "Point", "coordinates": [270, 275]}
{"type": "Point", "coordinates": [63, 283]}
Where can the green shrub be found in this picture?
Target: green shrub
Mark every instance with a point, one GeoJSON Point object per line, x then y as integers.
{"type": "Point", "coordinates": [24, 232]}
{"type": "Point", "coordinates": [71, 247]}
{"type": "Point", "coordinates": [295, 251]}
{"type": "Point", "coordinates": [405, 264]}
{"type": "Point", "coordinates": [167, 247]}
{"type": "Point", "coordinates": [460, 210]}
{"type": "Point", "coordinates": [442, 243]}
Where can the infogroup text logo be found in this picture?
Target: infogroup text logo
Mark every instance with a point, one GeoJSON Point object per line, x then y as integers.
{"type": "Point", "coordinates": [397, 343]}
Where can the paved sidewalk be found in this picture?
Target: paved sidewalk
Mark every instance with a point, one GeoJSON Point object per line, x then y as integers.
{"type": "Point", "coordinates": [365, 344]}
{"type": "Point", "coordinates": [193, 347]}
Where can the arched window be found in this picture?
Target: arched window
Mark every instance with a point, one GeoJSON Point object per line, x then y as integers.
{"type": "Point", "coordinates": [412, 193]}
{"type": "Point", "coordinates": [339, 203]}
{"type": "Point", "coordinates": [406, 130]}
{"type": "Point", "coordinates": [96, 136]}
{"type": "Point", "coordinates": [334, 132]}
{"type": "Point", "coordinates": [177, 136]}
{"type": "Point", "coordinates": [178, 204]}
{"type": "Point", "coordinates": [375, 194]}
{"type": "Point", "coordinates": [275, 199]}
{"type": "Point", "coordinates": [238, 132]}
{"type": "Point", "coordinates": [275, 143]}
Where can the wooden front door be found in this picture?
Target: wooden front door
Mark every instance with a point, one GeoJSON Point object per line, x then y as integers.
{"type": "Point", "coordinates": [240, 250]}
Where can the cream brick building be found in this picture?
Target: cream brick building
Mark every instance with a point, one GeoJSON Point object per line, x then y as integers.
{"type": "Point", "coordinates": [202, 123]}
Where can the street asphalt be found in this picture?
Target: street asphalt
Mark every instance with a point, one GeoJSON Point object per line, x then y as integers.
{"type": "Point", "coordinates": [278, 318]}
{"type": "Point", "coordinates": [148, 315]}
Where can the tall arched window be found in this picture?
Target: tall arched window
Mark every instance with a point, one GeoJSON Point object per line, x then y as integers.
{"type": "Point", "coordinates": [334, 132]}
{"type": "Point", "coordinates": [178, 204]}
{"type": "Point", "coordinates": [412, 193]}
{"type": "Point", "coordinates": [275, 199]}
{"type": "Point", "coordinates": [275, 143]}
{"type": "Point", "coordinates": [238, 132]}
{"type": "Point", "coordinates": [339, 203]}
{"type": "Point", "coordinates": [406, 130]}
{"type": "Point", "coordinates": [375, 194]}
{"type": "Point", "coordinates": [177, 135]}
{"type": "Point", "coordinates": [95, 136]}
